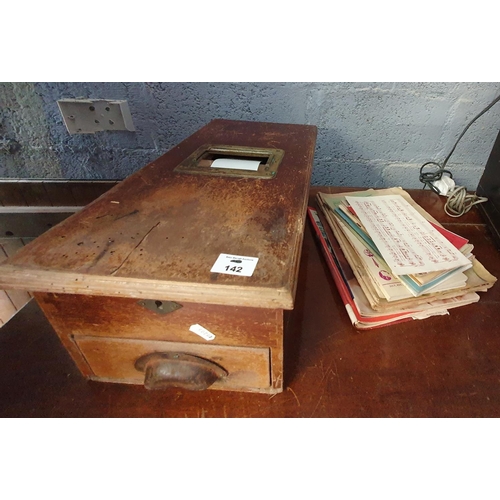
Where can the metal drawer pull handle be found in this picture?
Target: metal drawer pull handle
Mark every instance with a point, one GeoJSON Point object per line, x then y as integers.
{"type": "Point", "coordinates": [175, 369]}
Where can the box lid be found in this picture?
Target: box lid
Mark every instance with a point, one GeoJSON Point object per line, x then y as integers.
{"type": "Point", "coordinates": [157, 234]}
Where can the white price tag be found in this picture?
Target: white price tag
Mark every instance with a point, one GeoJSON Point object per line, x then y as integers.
{"type": "Point", "coordinates": [236, 164]}
{"type": "Point", "coordinates": [202, 332]}
{"type": "Point", "coordinates": [234, 264]}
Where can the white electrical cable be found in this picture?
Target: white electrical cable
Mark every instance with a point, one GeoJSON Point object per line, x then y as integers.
{"type": "Point", "coordinates": [459, 202]}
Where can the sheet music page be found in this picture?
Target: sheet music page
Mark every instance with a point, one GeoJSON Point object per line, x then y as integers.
{"type": "Point", "coordinates": [405, 239]}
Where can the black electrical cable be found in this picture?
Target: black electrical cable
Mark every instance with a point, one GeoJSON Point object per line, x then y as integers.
{"type": "Point", "coordinates": [458, 201]}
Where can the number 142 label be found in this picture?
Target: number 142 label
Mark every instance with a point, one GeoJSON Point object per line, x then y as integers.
{"type": "Point", "coordinates": [234, 264]}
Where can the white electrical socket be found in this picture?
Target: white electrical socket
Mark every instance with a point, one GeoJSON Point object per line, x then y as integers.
{"type": "Point", "coordinates": [444, 185]}
{"type": "Point", "coordinates": [87, 116]}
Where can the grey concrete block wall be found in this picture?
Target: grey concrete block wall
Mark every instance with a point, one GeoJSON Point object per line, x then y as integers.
{"type": "Point", "coordinates": [369, 134]}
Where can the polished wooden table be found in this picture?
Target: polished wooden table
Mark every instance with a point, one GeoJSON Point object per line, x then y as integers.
{"type": "Point", "coordinates": [447, 366]}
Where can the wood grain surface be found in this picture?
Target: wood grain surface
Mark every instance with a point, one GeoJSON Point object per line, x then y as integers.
{"type": "Point", "coordinates": [248, 342]}
{"type": "Point", "coordinates": [114, 359]}
{"type": "Point", "coordinates": [157, 234]}
{"type": "Point", "coordinates": [445, 366]}
{"type": "Point", "coordinates": [11, 301]}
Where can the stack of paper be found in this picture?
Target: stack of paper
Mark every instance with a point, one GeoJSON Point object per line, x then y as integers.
{"type": "Point", "coordinates": [391, 260]}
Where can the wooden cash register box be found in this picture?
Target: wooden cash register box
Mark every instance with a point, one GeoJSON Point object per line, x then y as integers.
{"type": "Point", "coordinates": [127, 283]}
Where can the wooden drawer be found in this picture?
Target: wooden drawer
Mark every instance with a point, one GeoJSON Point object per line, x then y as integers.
{"type": "Point", "coordinates": [156, 236]}
{"type": "Point", "coordinates": [113, 359]}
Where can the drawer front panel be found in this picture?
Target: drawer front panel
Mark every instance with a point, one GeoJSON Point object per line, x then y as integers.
{"type": "Point", "coordinates": [126, 318]}
{"type": "Point", "coordinates": [114, 359]}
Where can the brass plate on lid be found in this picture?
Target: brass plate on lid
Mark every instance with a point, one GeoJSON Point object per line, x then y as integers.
{"type": "Point", "coordinates": [199, 162]}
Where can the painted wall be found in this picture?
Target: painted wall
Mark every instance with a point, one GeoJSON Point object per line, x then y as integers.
{"type": "Point", "coordinates": [369, 134]}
